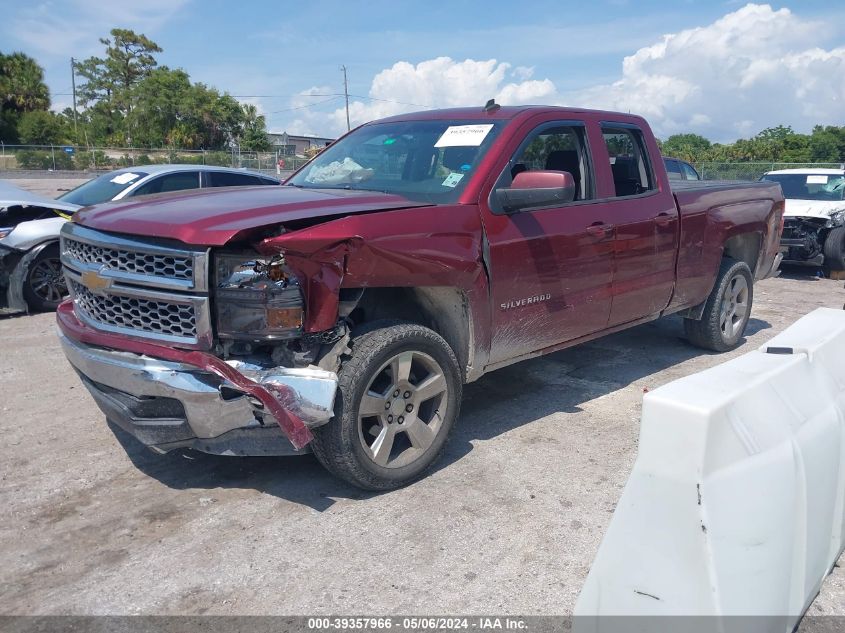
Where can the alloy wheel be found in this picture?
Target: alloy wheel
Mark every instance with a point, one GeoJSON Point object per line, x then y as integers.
{"type": "Point", "coordinates": [47, 281]}
{"type": "Point", "coordinates": [402, 409]}
{"type": "Point", "coordinates": [734, 308]}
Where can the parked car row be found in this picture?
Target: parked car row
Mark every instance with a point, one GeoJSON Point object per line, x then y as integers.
{"type": "Point", "coordinates": [30, 270]}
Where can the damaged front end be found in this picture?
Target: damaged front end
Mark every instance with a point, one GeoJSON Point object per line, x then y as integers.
{"type": "Point", "coordinates": [170, 398]}
{"type": "Point", "coordinates": [189, 348]}
{"type": "Point", "coordinates": [28, 224]}
{"type": "Point", "coordinates": [803, 238]}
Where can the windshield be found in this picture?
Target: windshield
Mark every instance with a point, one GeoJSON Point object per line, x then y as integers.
{"type": "Point", "coordinates": [103, 188]}
{"type": "Point", "coordinates": [828, 187]}
{"type": "Point", "coordinates": [425, 161]}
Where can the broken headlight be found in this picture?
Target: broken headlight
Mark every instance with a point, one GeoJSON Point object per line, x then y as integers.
{"type": "Point", "coordinates": [257, 298]}
{"type": "Point", "coordinates": [837, 218]}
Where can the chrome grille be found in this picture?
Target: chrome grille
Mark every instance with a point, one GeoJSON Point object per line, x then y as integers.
{"type": "Point", "coordinates": [138, 288]}
{"type": "Point", "coordinates": [158, 317]}
{"type": "Point", "coordinates": [138, 263]}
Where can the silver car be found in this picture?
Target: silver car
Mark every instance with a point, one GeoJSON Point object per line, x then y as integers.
{"type": "Point", "coordinates": [30, 272]}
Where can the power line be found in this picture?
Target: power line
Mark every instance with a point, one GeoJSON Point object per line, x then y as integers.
{"type": "Point", "coordinates": [307, 105]}
{"type": "Point", "coordinates": [416, 105]}
{"type": "Point", "coordinates": [334, 95]}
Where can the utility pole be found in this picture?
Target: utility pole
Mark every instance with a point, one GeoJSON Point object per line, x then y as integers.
{"type": "Point", "coordinates": [346, 95]}
{"type": "Point", "coordinates": [73, 83]}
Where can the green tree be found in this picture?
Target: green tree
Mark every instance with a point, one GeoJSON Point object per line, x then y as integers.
{"type": "Point", "coordinates": [827, 144]}
{"type": "Point", "coordinates": [253, 132]}
{"type": "Point", "coordinates": [42, 127]}
{"type": "Point", "coordinates": [688, 147]}
{"type": "Point", "coordinates": [171, 111]}
{"type": "Point", "coordinates": [109, 82]}
{"type": "Point", "coordinates": [22, 89]}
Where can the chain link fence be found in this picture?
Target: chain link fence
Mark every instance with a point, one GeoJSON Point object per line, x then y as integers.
{"type": "Point", "coordinates": [87, 159]}
{"type": "Point", "coordinates": [751, 171]}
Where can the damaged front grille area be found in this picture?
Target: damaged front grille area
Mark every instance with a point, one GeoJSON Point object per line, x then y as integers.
{"type": "Point", "coordinates": [151, 264]}
{"type": "Point", "coordinates": [133, 313]}
{"type": "Point", "coordinates": [137, 288]}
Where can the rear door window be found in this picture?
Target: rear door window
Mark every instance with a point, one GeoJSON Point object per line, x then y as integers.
{"type": "Point", "coordinates": [171, 182]}
{"type": "Point", "coordinates": [629, 162]}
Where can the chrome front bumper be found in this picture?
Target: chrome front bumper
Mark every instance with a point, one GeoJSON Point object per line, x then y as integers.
{"type": "Point", "coordinates": [143, 396]}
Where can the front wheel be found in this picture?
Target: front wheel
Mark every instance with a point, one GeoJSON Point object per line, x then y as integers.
{"type": "Point", "coordinates": [44, 287]}
{"type": "Point", "coordinates": [726, 311]}
{"type": "Point", "coordinates": [834, 249]}
{"type": "Point", "coordinates": [399, 396]}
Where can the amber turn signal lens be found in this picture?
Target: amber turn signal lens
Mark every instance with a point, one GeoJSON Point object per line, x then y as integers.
{"type": "Point", "coordinates": [284, 318]}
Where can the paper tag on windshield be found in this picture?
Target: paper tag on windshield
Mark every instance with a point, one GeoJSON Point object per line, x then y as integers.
{"type": "Point", "coordinates": [464, 135]}
{"type": "Point", "coordinates": [817, 180]}
{"type": "Point", "coordinates": [123, 179]}
{"type": "Point", "coordinates": [452, 180]}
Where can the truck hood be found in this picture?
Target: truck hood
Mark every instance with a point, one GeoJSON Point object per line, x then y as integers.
{"type": "Point", "coordinates": [213, 217]}
{"type": "Point", "coordinates": [812, 208]}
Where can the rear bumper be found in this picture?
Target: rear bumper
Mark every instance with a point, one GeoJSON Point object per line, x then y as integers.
{"type": "Point", "coordinates": [774, 270]}
{"type": "Point", "coordinates": [169, 398]}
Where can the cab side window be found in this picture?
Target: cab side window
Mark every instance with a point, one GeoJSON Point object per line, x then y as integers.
{"type": "Point", "coordinates": [555, 148]}
{"type": "Point", "coordinates": [632, 173]}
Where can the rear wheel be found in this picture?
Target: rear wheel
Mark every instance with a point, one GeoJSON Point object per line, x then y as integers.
{"type": "Point", "coordinates": [44, 287]}
{"type": "Point", "coordinates": [399, 396]}
{"type": "Point", "coordinates": [834, 249]}
{"type": "Point", "coordinates": [726, 311]}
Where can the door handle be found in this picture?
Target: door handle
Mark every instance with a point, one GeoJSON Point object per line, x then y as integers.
{"type": "Point", "coordinates": [663, 219]}
{"type": "Point", "coordinates": [600, 229]}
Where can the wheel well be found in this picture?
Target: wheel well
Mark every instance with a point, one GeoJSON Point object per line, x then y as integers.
{"type": "Point", "coordinates": [745, 248]}
{"type": "Point", "coordinates": [443, 309]}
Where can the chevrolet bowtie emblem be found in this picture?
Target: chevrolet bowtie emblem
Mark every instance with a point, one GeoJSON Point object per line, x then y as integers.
{"type": "Point", "coordinates": [94, 281]}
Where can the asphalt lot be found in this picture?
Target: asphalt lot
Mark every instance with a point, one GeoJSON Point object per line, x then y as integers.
{"type": "Point", "coordinates": [508, 523]}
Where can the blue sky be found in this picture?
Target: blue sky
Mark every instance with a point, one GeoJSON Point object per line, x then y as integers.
{"type": "Point", "coordinates": [760, 64]}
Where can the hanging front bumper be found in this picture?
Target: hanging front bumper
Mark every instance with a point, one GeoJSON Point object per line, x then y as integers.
{"type": "Point", "coordinates": [194, 399]}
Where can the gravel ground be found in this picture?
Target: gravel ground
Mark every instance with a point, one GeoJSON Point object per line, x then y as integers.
{"type": "Point", "coordinates": [509, 522]}
{"type": "Point", "coordinates": [46, 186]}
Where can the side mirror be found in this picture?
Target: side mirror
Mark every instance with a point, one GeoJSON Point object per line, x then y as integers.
{"type": "Point", "coordinates": [532, 189]}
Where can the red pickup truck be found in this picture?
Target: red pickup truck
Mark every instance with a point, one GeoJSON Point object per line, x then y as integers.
{"type": "Point", "coordinates": [344, 310]}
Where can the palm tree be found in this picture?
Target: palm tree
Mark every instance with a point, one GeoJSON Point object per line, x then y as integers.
{"type": "Point", "coordinates": [22, 86]}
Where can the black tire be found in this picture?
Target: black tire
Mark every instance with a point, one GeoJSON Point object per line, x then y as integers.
{"type": "Point", "coordinates": [834, 249]}
{"type": "Point", "coordinates": [44, 286]}
{"type": "Point", "coordinates": [343, 445]}
{"type": "Point", "coordinates": [718, 329]}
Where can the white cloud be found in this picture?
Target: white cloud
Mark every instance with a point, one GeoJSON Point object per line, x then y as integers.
{"type": "Point", "coordinates": [443, 83]}
{"type": "Point", "coordinates": [753, 68]}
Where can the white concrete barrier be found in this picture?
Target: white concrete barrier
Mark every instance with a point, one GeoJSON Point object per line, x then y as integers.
{"type": "Point", "coordinates": [736, 503]}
